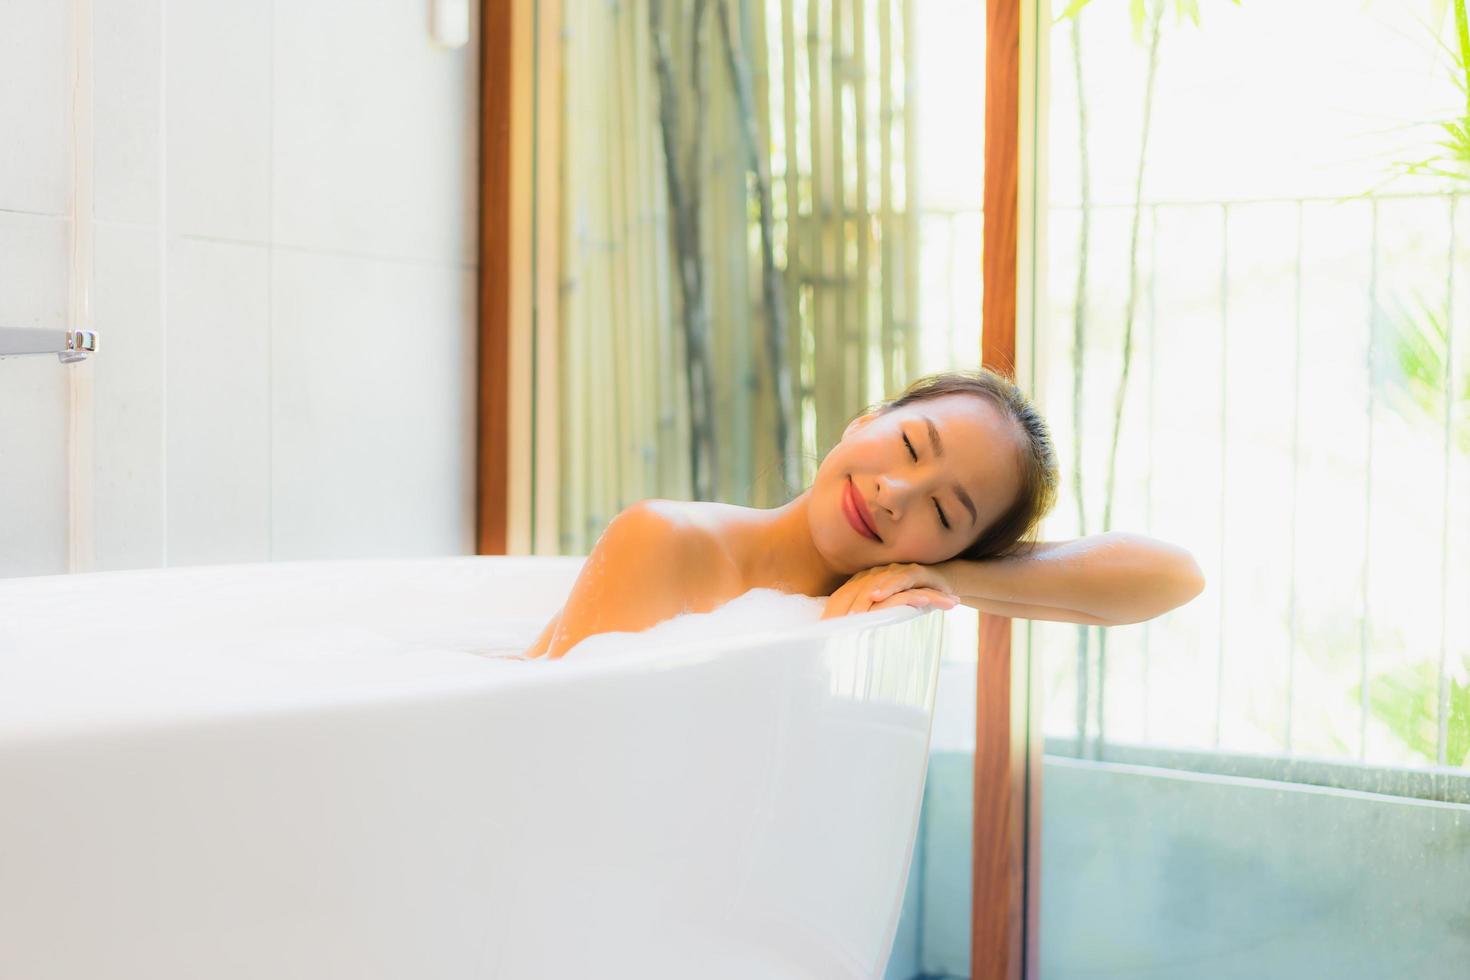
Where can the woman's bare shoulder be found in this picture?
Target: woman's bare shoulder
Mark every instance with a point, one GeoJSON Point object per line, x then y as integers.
{"type": "Point", "coordinates": [690, 536]}
{"type": "Point", "coordinates": [648, 564]}
{"type": "Point", "coordinates": [706, 514]}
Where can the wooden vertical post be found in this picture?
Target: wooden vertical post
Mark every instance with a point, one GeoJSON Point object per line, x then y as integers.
{"type": "Point", "coordinates": [492, 488]}
{"type": "Point", "coordinates": [1006, 833]}
{"type": "Point", "coordinates": [511, 146]}
{"type": "Point", "coordinates": [503, 441]}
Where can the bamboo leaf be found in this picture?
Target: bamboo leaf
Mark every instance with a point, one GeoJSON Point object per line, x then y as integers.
{"type": "Point", "coordinates": [1452, 163]}
{"type": "Point", "coordinates": [1409, 365]}
{"type": "Point", "coordinates": [1406, 700]}
{"type": "Point", "coordinates": [1138, 14]}
{"type": "Point", "coordinates": [1073, 9]}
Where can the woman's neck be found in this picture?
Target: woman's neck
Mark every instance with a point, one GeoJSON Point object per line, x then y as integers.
{"type": "Point", "coordinates": [774, 550]}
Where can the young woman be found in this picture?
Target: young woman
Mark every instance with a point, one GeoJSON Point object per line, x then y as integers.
{"type": "Point", "coordinates": [928, 499]}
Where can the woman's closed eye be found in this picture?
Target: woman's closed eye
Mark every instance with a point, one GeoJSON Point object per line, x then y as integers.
{"type": "Point", "coordinates": [942, 519]}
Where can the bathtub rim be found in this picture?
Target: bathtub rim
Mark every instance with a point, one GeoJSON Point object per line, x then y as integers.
{"type": "Point", "coordinates": [663, 656]}
{"type": "Point", "coordinates": [820, 629]}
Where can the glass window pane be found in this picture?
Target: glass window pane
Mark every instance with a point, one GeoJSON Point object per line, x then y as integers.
{"type": "Point", "coordinates": [1257, 345]}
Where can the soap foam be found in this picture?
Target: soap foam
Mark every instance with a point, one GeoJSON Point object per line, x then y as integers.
{"type": "Point", "coordinates": [756, 611]}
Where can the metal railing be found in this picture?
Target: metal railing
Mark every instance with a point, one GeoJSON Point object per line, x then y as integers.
{"type": "Point", "coordinates": [940, 233]}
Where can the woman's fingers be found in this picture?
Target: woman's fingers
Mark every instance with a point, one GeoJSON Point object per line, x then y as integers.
{"type": "Point", "coordinates": [928, 597]}
{"type": "Point", "coordinates": [845, 600]}
{"type": "Point", "coordinates": [862, 600]}
{"type": "Point", "coordinates": [840, 602]}
{"type": "Point", "coordinates": [892, 579]}
{"type": "Point", "coordinates": [891, 585]}
{"type": "Point", "coordinates": [896, 578]}
{"type": "Point", "coordinates": [919, 598]}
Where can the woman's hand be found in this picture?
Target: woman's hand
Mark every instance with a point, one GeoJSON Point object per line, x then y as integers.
{"type": "Point", "coordinates": [892, 585]}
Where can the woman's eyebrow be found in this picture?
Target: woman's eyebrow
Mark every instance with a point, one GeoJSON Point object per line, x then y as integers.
{"type": "Point", "coordinates": [934, 436]}
{"type": "Point", "coordinates": [959, 491]}
{"type": "Point", "coordinates": [938, 446]}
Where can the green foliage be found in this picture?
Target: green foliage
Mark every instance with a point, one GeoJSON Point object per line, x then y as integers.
{"type": "Point", "coordinates": [1409, 374]}
{"type": "Point", "coordinates": [1409, 367]}
{"type": "Point", "coordinates": [1451, 160]}
{"type": "Point", "coordinates": [1138, 12]}
{"type": "Point", "coordinates": [1406, 699]}
{"type": "Point", "coordinates": [1409, 378]}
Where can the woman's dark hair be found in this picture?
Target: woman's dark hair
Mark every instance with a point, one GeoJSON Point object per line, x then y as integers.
{"type": "Point", "coordinates": [1009, 533]}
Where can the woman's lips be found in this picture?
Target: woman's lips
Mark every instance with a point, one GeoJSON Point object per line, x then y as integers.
{"type": "Point", "coordinates": [853, 508]}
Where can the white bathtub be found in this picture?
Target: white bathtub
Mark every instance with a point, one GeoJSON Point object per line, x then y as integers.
{"type": "Point", "coordinates": [298, 771]}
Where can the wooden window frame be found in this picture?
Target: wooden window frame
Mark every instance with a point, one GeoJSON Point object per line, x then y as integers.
{"type": "Point", "coordinates": [492, 464]}
{"type": "Point", "coordinates": [519, 46]}
{"type": "Point", "coordinates": [1006, 832]}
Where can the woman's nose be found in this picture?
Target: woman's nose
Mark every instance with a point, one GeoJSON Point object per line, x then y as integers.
{"type": "Point", "coordinates": [893, 495]}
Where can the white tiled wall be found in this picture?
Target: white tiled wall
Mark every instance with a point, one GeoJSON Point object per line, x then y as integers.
{"type": "Point", "coordinates": [387, 389]}
{"type": "Point", "coordinates": [217, 111]}
{"type": "Point", "coordinates": [128, 398]}
{"type": "Point", "coordinates": [218, 397]}
{"type": "Point", "coordinates": [127, 110]}
{"type": "Point", "coordinates": [382, 172]}
{"type": "Point", "coordinates": [35, 107]}
{"type": "Point", "coordinates": [282, 277]}
{"type": "Point", "coordinates": [33, 398]}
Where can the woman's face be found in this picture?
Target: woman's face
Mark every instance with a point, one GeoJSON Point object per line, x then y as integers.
{"type": "Point", "coordinates": [928, 478]}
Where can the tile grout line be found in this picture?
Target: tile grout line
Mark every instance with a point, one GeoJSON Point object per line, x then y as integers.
{"type": "Point", "coordinates": [274, 246]}
{"type": "Point", "coordinates": [80, 413]}
{"type": "Point", "coordinates": [270, 277]}
{"type": "Point", "coordinates": [163, 251]}
{"type": "Point", "coordinates": [22, 212]}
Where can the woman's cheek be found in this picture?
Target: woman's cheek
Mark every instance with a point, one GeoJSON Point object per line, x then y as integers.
{"type": "Point", "coordinates": [932, 553]}
{"type": "Point", "coordinates": [914, 552]}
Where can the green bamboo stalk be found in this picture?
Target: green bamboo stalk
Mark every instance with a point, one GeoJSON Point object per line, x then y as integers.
{"type": "Point", "coordinates": [795, 260]}
{"type": "Point", "coordinates": [684, 186]}
{"type": "Point", "coordinates": [1130, 310]}
{"type": "Point", "coordinates": [819, 208]}
{"type": "Point", "coordinates": [1155, 28]}
{"type": "Point", "coordinates": [605, 449]}
{"type": "Point", "coordinates": [726, 248]}
{"type": "Point", "coordinates": [911, 194]}
{"type": "Point", "coordinates": [1079, 305]}
{"type": "Point", "coordinates": [758, 163]}
{"type": "Point", "coordinates": [770, 71]}
{"type": "Point", "coordinates": [842, 327]}
{"type": "Point", "coordinates": [1079, 342]}
{"type": "Point", "coordinates": [573, 512]}
{"type": "Point", "coordinates": [1462, 32]}
{"type": "Point", "coordinates": [615, 259]}
{"type": "Point", "coordinates": [886, 227]}
{"type": "Point", "coordinates": [645, 316]}
{"type": "Point", "coordinates": [864, 216]}
{"type": "Point", "coordinates": [672, 482]}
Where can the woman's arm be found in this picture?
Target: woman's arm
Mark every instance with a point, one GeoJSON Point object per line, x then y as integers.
{"type": "Point", "coordinates": [646, 567]}
{"type": "Point", "coordinates": [1109, 579]}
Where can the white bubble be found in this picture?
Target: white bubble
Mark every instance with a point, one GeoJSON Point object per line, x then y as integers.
{"type": "Point", "coordinates": [756, 611]}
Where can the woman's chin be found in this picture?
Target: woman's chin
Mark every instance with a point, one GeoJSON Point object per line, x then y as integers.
{"type": "Point", "coordinates": [855, 557]}
{"type": "Point", "coordinates": [837, 557]}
